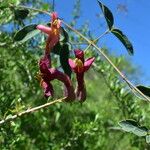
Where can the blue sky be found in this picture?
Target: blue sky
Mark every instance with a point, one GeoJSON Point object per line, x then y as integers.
{"type": "Point", "coordinates": [135, 24]}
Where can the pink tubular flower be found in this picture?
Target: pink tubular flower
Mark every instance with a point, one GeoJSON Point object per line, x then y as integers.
{"type": "Point", "coordinates": [80, 66]}
{"type": "Point", "coordinates": [49, 74]}
{"type": "Point", "coordinates": [53, 32]}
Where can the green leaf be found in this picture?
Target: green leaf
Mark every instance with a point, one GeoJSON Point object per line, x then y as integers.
{"type": "Point", "coordinates": [64, 56]}
{"type": "Point", "coordinates": [128, 125]}
{"type": "Point", "coordinates": [133, 127]}
{"type": "Point", "coordinates": [57, 48]}
{"type": "Point", "coordinates": [140, 131]}
{"type": "Point", "coordinates": [123, 38]}
{"type": "Point", "coordinates": [107, 14]}
{"type": "Point", "coordinates": [26, 33]}
{"type": "Point", "coordinates": [21, 13]}
{"type": "Point", "coordinates": [46, 7]}
{"type": "Point", "coordinates": [148, 139]}
{"type": "Point", "coordinates": [64, 35]}
{"type": "Point", "coordinates": [3, 6]}
{"type": "Point", "coordinates": [145, 90]}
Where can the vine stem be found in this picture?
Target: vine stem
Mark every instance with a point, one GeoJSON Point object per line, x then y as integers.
{"type": "Point", "coordinates": [11, 118]}
{"type": "Point", "coordinates": [31, 8]}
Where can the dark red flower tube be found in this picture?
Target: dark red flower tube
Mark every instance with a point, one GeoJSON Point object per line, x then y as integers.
{"type": "Point", "coordinates": [49, 74]}
{"type": "Point", "coordinates": [80, 66]}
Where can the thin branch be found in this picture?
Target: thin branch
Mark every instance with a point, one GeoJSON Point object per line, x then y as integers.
{"type": "Point", "coordinates": [94, 41]}
{"type": "Point", "coordinates": [99, 37]}
{"type": "Point", "coordinates": [34, 9]}
{"type": "Point", "coordinates": [11, 118]}
{"type": "Point", "coordinates": [79, 43]}
{"type": "Point", "coordinates": [130, 84]}
{"type": "Point", "coordinates": [87, 48]}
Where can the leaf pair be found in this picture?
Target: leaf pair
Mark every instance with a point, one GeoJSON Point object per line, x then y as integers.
{"type": "Point", "coordinates": [118, 33]}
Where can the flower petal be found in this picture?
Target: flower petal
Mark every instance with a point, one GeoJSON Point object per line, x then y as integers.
{"type": "Point", "coordinates": [44, 64]}
{"type": "Point", "coordinates": [59, 24]}
{"type": "Point", "coordinates": [72, 65]}
{"type": "Point", "coordinates": [69, 90]}
{"type": "Point", "coordinates": [79, 54]}
{"type": "Point", "coordinates": [54, 41]}
{"type": "Point", "coordinates": [48, 89]}
{"type": "Point", "coordinates": [88, 63]}
{"type": "Point", "coordinates": [54, 16]}
{"type": "Point", "coordinates": [44, 29]}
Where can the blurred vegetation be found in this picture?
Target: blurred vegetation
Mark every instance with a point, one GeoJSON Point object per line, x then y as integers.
{"type": "Point", "coordinates": [92, 125]}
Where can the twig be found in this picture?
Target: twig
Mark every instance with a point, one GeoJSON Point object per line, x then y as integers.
{"type": "Point", "coordinates": [94, 41]}
{"type": "Point", "coordinates": [130, 84]}
{"type": "Point", "coordinates": [34, 9]}
{"type": "Point", "coordinates": [87, 48]}
{"type": "Point", "coordinates": [78, 43]}
{"type": "Point", "coordinates": [99, 37]}
{"type": "Point", "coordinates": [11, 118]}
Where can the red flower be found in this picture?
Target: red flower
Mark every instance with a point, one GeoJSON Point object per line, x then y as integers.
{"type": "Point", "coordinates": [49, 74]}
{"type": "Point", "coordinates": [80, 66]}
{"type": "Point", "coordinates": [53, 32]}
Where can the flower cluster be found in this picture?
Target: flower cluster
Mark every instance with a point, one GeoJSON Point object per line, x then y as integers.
{"type": "Point", "coordinates": [48, 74]}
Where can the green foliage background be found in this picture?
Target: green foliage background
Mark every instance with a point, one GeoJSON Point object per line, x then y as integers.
{"type": "Point", "coordinates": [93, 125]}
